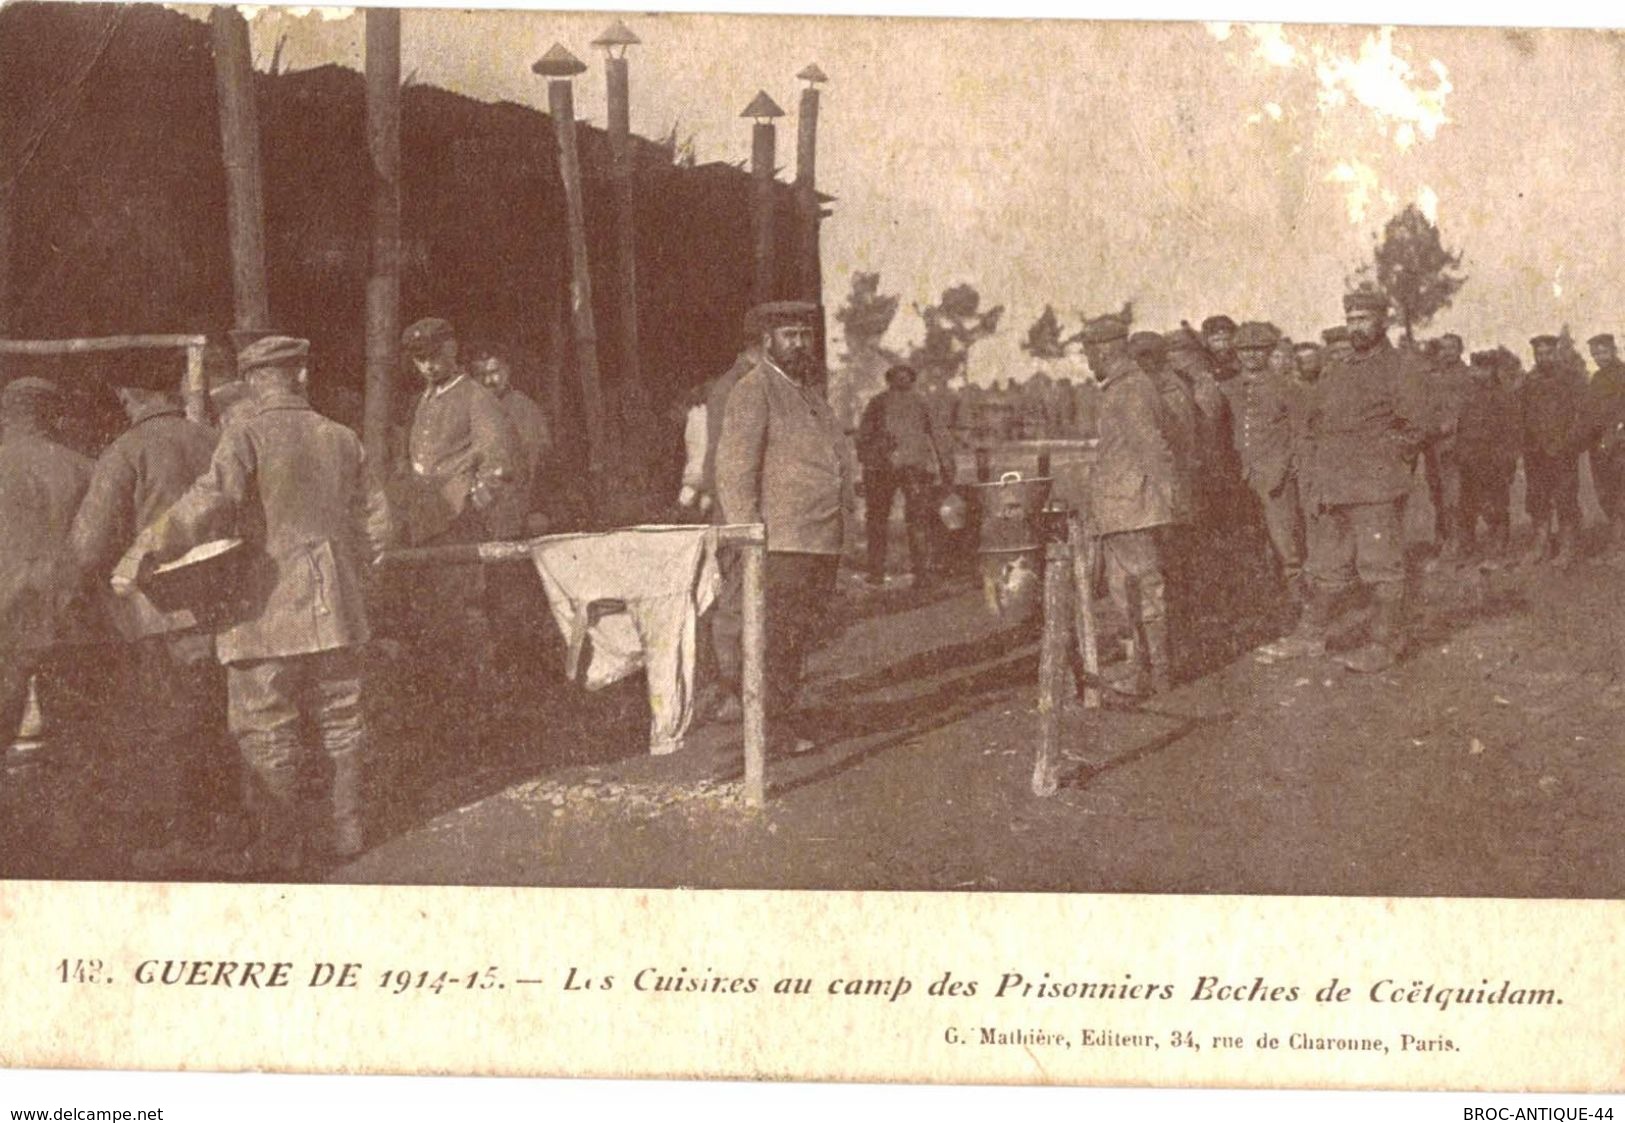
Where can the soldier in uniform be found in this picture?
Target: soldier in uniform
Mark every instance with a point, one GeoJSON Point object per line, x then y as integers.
{"type": "Point", "coordinates": [1308, 358]}
{"type": "Point", "coordinates": [174, 687]}
{"type": "Point", "coordinates": [1338, 347]}
{"type": "Point", "coordinates": [1368, 418]}
{"type": "Point", "coordinates": [1132, 501]}
{"type": "Point", "coordinates": [296, 488]}
{"type": "Point", "coordinates": [493, 367]}
{"type": "Point", "coordinates": [1189, 359]}
{"type": "Point", "coordinates": [1605, 412]}
{"type": "Point", "coordinates": [459, 487]}
{"type": "Point", "coordinates": [900, 453]}
{"type": "Point", "coordinates": [42, 482]}
{"type": "Point", "coordinates": [1553, 398]}
{"type": "Point", "coordinates": [1219, 336]}
{"type": "Point", "coordinates": [1448, 384]}
{"type": "Point", "coordinates": [1261, 412]}
{"type": "Point", "coordinates": [1488, 431]}
{"type": "Point", "coordinates": [782, 461]}
{"type": "Point", "coordinates": [1150, 354]}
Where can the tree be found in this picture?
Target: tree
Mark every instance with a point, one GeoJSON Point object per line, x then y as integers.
{"type": "Point", "coordinates": [1044, 336]}
{"type": "Point", "coordinates": [952, 326]}
{"type": "Point", "coordinates": [1414, 269]}
{"type": "Point", "coordinates": [865, 317]}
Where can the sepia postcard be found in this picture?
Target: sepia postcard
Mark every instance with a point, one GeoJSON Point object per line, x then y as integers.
{"type": "Point", "coordinates": [791, 547]}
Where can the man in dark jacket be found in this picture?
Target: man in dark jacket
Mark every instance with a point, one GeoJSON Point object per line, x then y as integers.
{"type": "Point", "coordinates": [900, 452]}
{"type": "Point", "coordinates": [1368, 416]}
{"type": "Point", "coordinates": [296, 488]}
{"type": "Point", "coordinates": [1553, 434]}
{"type": "Point", "coordinates": [1605, 416]}
{"type": "Point", "coordinates": [170, 722]}
{"type": "Point", "coordinates": [1488, 432]}
{"type": "Point", "coordinates": [1447, 384]}
{"type": "Point", "coordinates": [1261, 412]}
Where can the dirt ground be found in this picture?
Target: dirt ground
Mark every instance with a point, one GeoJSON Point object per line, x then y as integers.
{"type": "Point", "coordinates": [1487, 764]}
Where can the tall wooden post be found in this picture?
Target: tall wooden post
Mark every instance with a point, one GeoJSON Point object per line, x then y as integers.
{"type": "Point", "coordinates": [384, 266]}
{"type": "Point", "coordinates": [1052, 665]}
{"type": "Point", "coordinates": [615, 41]}
{"type": "Point", "coordinates": [763, 141]}
{"type": "Point", "coordinates": [811, 281]}
{"type": "Point", "coordinates": [240, 148]}
{"type": "Point", "coordinates": [559, 66]}
{"type": "Point", "coordinates": [753, 687]}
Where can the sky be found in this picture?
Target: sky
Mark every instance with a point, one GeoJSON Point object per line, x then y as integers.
{"type": "Point", "coordinates": [1188, 167]}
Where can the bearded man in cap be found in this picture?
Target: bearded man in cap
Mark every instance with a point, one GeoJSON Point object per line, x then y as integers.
{"type": "Point", "coordinates": [1133, 501]}
{"type": "Point", "coordinates": [42, 482]}
{"type": "Point", "coordinates": [782, 461]}
{"type": "Point", "coordinates": [1369, 417]}
{"type": "Point", "coordinates": [295, 487]}
{"type": "Point", "coordinates": [1488, 431]}
{"type": "Point", "coordinates": [493, 367]}
{"type": "Point", "coordinates": [1605, 412]}
{"type": "Point", "coordinates": [1553, 433]}
{"type": "Point", "coordinates": [1261, 411]}
{"type": "Point", "coordinates": [174, 686]}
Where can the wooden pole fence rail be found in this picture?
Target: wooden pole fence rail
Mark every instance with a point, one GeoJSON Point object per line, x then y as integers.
{"type": "Point", "coordinates": [194, 387]}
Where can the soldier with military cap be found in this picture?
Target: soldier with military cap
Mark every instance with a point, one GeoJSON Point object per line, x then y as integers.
{"type": "Point", "coordinates": [1150, 353]}
{"type": "Point", "coordinates": [1368, 418]}
{"type": "Point", "coordinates": [1132, 500]}
{"type": "Point", "coordinates": [1308, 357]}
{"type": "Point", "coordinates": [1214, 460]}
{"type": "Point", "coordinates": [1261, 413]}
{"type": "Point", "coordinates": [1219, 336]}
{"type": "Point", "coordinates": [1553, 435]}
{"type": "Point", "coordinates": [1338, 347]}
{"type": "Point", "coordinates": [174, 686]}
{"type": "Point", "coordinates": [782, 461]}
{"type": "Point", "coordinates": [1605, 414]}
{"type": "Point", "coordinates": [1488, 432]}
{"type": "Point", "coordinates": [294, 486]}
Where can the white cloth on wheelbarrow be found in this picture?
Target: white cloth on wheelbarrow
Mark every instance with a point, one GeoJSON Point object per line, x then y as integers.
{"type": "Point", "coordinates": [630, 600]}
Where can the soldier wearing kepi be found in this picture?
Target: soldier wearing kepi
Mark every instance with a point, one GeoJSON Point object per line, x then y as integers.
{"type": "Point", "coordinates": [1448, 384]}
{"type": "Point", "coordinates": [782, 461]}
{"type": "Point", "coordinates": [296, 488]}
{"type": "Point", "coordinates": [1132, 501]}
{"type": "Point", "coordinates": [1261, 424]}
{"type": "Point", "coordinates": [175, 687]}
{"type": "Point", "coordinates": [1553, 397]}
{"type": "Point", "coordinates": [1605, 414]}
{"type": "Point", "coordinates": [1368, 420]}
{"type": "Point", "coordinates": [1487, 435]}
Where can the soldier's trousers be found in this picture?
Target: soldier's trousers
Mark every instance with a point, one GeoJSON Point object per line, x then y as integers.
{"type": "Point", "coordinates": [880, 488]}
{"type": "Point", "coordinates": [1357, 543]}
{"type": "Point", "coordinates": [1283, 519]}
{"type": "Point", "coordinates": [1443, 474]}
{"type": "Point", "coordinates": [1486, 493]}
{"type": "Point", "coordinates": [799, 590]}
{"type": "Point", "coordinates": [300, 727]}
{"type": "Point", "coordinates": [171, 737]}
{"type": "Point", "coordinates": [1137, 583]}
{"type": "Point", "coordinates": [1553, 486]}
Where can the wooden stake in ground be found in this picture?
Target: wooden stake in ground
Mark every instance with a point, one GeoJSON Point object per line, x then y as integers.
{"type": "Point", "coordinates": [1083, 567]}
{"type": "Point", "coordinates": [614, 41]}
{"type": "Point", "coordinates": [240, 149]}
{"type": "Point", "coordinates": [559, 66]}
{"type": "Point", "coordinates": [753, 673]}
{"type": "Point", "coordinates": [763, 143]}
{"type": "Point", "coordinates": [384, 271]}
{"type": "Point", "coordinates": [1052, 665]}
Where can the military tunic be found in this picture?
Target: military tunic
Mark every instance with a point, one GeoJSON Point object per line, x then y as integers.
{"type": "Point", "coordinates": [1553, 434]}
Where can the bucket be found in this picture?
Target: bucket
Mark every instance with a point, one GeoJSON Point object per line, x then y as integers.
{"type": "Point", "coordinates": [1010, 544]}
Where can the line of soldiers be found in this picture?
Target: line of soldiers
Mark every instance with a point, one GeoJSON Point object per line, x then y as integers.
{"type": "Point", "coordinates": [278, 653]}
{"type": "Point", "coordinates": [1205, 439]}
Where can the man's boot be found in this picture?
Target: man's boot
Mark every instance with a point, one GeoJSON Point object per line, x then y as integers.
{"type": "Point", "coordinates": [1308, 639]}
{"type": "Point", "coordinates": [1387, 633]}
